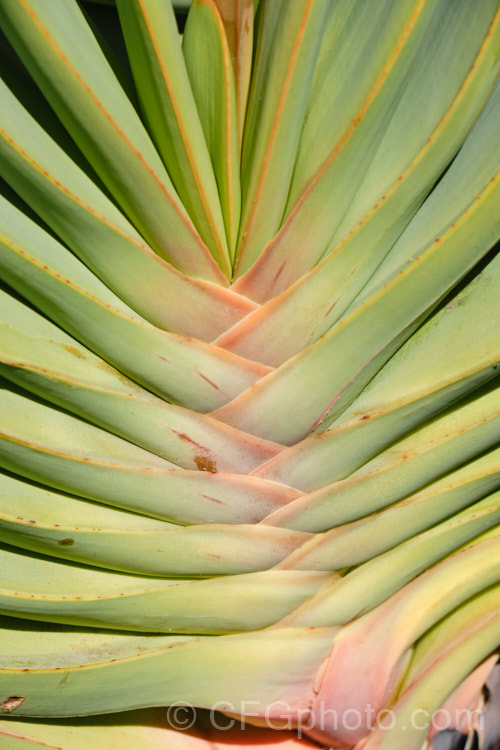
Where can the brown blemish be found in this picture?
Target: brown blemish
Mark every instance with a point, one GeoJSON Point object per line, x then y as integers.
{"type": "Point", "coordinates": [102, 365]}
{"type": "Point", "coordinates": [11, 703]}
{"type": "Point", "coordinates": [205, 463]}
{"type": "Point", "coordinates": [66, 542]}
{"type": "Point", "coordinates": [73, 350]}
{"type": "Point", "coordinates": [63, 679]}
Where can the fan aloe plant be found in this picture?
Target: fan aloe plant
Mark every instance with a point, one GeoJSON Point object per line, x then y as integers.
{"type": "Point", "coordinates": [249, 344]}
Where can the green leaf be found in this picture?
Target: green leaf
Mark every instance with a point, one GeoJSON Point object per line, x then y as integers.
{"type": "Point", "coordinates": [134, 670]}
{"type": "Point", "coordinates": [155, 54]}
{"type": "Point", "coordinates": [64, 289]}
{"type": "Point", "coordinates": [353, 543]}
{"type": "Point", "coordinates": [209, 68]}
{"type": "Point", "coordinates": [455, 352]}
{"type": "Point", "coordinates": [455, 228]}
{"type": "Point", "coordinates": [98, 233]}
{"type": "Point", "coordinates": [289, 37]}
{"type": "Point", "coordinates": [238, 19]}
{"type": "Point", "coordinates": [369, 179]}
{"type": "Point", "coordinates": [63, 56]}
{"type": "Point", "coordinates": [39, 357]}
{"type": "Point", "coordinates": [373, 582]}
{"type": "Point", "coordinates": [49, 446]}
{"type": "Point", "coordinates": [403, 468]}
{"type": "Point", "coordinates": [35, 587]}
{"type": "Point", "coordinates": [324, 293]}
{"type": "Point", "coordinates": [64, 526]}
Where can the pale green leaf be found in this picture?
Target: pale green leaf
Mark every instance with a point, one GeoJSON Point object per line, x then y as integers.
{"type": "Point", "coordinates": [167, 102]}
{"type": "Point", "coordinates": [209, 67]}
{"type": "Point", "coordinates": [63, 56]}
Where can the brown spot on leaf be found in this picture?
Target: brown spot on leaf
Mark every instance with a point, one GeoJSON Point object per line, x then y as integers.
{"type": "Point", "coordinates": [73, 350]}
{"type": "Point", "coordinates": [102, 365]}
{"type": "Point", "coordinates": [66, 542]}
{"type": "Point", "coordinates": [11, 703]}
{"type": "Point", "coordinates": [205, 463]}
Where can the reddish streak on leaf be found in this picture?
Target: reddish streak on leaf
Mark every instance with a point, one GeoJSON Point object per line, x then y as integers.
{"type": "Point", "coordinates": [213, 499]}
{"type": "Point", "coordinates": [186, 438]}
{"type": "Point", "coordinates": [330, 308]}
{"type": "Point", "coordinates": [277, 275]}
{"type": "Point", "coordinates": [210, 382]}
{"type": "Point", "coordinates": [203, 461]}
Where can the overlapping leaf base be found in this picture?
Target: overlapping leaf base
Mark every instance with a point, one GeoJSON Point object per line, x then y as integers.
{"type": "Point", "coordinates": [250, 337]}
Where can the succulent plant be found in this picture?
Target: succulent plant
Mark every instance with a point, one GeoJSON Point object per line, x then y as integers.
{"type": "Point", "coordinates": [249, 350]}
